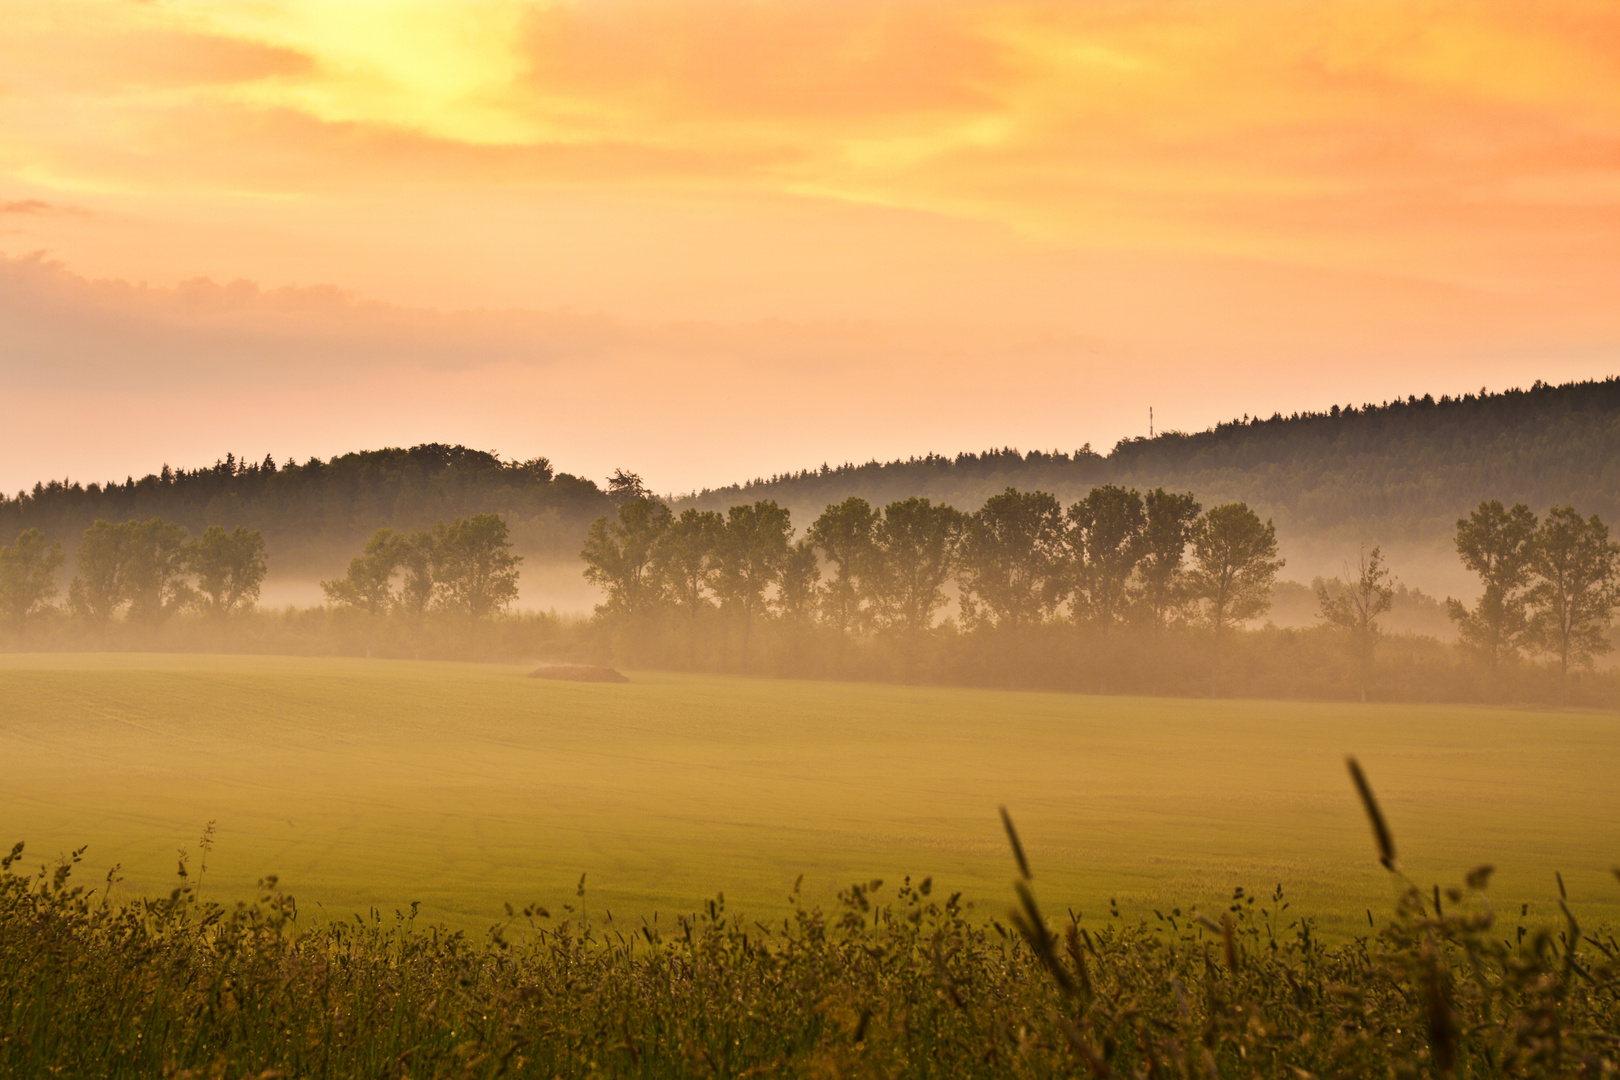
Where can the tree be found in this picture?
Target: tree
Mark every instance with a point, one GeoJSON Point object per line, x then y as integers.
{"type": "Point", "coordinates": [477, 573]}
{"type": "Point", "coordinates": [1235, 565]}
{"type": "Point", "coordinates": [624, 486]}
{"type": "Point", "coordinates": [1577, 584]}
{"type": "Point", "coordinates": [421, 557]}
{"type": "Point", "coordinates": [620, 553]}
{"type": "Point", "coordinates": [843, 535]}
{"type": "Point", "coordinates": [686, 562]}
{"type": "Point", "coordinates": [368, 585]}
{"type": "Point", "coordinates": [156, 556]}
{"type": "Point", "coordinates": [751, 550]}
{"type": "Point", "coordinates": [796, 589]}
{"type": "Point", "coordinates": [230, 566]}
{"type": "Point", "coordinates": [28, 576]}
{"type": "Point", "coordinates": [98, 589]}
{"type": "Point", "coordinates": [1495, 543]}
{"type": "Point", "coordinates": [1354, 607]}
{"type": "Point", "coordinates": [1168, 530]}
{"type": "Point", "coordinates": [915, 547]}
{"type": "Point", "coordinates": [1104, 538]}
{"type": "Point", "coordinates": [1011, 560]}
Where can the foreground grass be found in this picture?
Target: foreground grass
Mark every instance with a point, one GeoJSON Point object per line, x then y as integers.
{"type": "Point", "coordinates": [908, 987]}
{"type": "Point", "coordinates": [375, 784]}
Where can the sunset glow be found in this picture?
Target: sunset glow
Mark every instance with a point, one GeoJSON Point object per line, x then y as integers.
{"type": "Point", "coordinates": [574, 228]}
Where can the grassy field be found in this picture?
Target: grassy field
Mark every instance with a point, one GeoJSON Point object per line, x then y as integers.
{"type": "Point", "coordinates": [374, 784]}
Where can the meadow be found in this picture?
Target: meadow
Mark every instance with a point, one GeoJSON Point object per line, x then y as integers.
{"type": "Point", "coordinates": [375, 784]}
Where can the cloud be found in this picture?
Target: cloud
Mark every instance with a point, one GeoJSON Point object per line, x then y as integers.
{"type": "Point", "coordinates": [37, 207]}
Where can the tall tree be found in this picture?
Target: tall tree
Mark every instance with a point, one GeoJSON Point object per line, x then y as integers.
{"type": "Point", "coordinates": [752, 548]}
{"type": "Point", "coordinates": [1165, 536]}
{"type": "Point", "coordinates": [915, 548]}
{"type": "Point", "coordinates": [1105, 539]}
{"type": "Point", "coordinates": [843, 535]}
{"type": "Point", "coordinates": [477, 571]}
{"type": "Point", "coordinates": [1495, 542]}
{"type": "Point", "coordinates": [100, 564]}
{"type": "Point", "coordinates": [1011, 567]}
{"type": "Point", "coordinates": [1577, 585]}
{"type": "Point", "coordinates": [796, 590]}
{"type": "Point", "coordinates": [686, 563]}
{"type": "Point", "coordinates": [421, 557]}
{"type": "Point", "coordinates": [230, 567]}
{"type": "Point", "coordinates": [620, 555]}
{"type": "Point", "coordinates": [1354, 606]}
{"type": "Point", "coordinates": [28, 576]}
{"type": "Point", "coordinates": [156, 569]}
{"type": "Point", "coordinates": [368, 585]}
{"type": "Point", "coordinates": [1235, 565]}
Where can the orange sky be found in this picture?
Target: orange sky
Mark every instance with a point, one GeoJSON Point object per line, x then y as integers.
{"type": "Point", "coordinates": [713, 238]}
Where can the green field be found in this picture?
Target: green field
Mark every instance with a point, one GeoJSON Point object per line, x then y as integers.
{"type": "Point", "coordinates": [376, 783]}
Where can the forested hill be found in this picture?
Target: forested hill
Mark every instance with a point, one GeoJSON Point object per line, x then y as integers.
{"type": "Point", "coordinates": [316, 515]}
{"type": "Point", "coordinates": [1398, 473]}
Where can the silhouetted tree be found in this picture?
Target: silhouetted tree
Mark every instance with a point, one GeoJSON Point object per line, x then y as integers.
{"type": "Point", "coordinates": [626, 487]}
{"type": "Point", "coordinates": [686, 563]}
{"type": "Point", "coordinates": [796, 589]}
{"type": "Point", "coordinates": [1011, 567]}
{"type": "Point", "coordinates": [155, 570]}
{"type": "Point", "coordinates": [1105, 538]}
{"type": "Point", "coordinates": [1354, 607]}
{"type": "Point", "coordinates": [752, 548]}
{"type": "Point", "coordinates": [100, 564]}
{"type": "Point", "coordinates": [1575, 591]}
{"type": "Point", "coordinates": [477, 571]}
{"type": "Point", "coordinates": [619, 556]}
{"type": "Point", "coordinates": [1165, 536]}
{"type": "Point", "coordinates": [28, 576]}
{"type": "Point", "coordinates": [1495, 543]}
{"type": "Point", "coordinates": [1235, 565]}
{"type": "Point", "coordinates": [843, 535]}
{"type": "Point", "coordinates": [368, 585]}
{"type": "Point", "coordinates": [421, 556]}
{"type": "Point", "coordinates": [230, 567]}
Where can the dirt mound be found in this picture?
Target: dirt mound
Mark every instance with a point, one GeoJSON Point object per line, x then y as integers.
{"type": "Point", "coordinates": [577, 673]}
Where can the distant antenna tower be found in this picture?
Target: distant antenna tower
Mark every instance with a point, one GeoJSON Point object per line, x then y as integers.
{"type": "Point", "coordinates": [1150, 421]}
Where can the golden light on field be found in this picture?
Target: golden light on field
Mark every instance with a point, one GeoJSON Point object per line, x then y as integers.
{"type": "Point", "coordinates": [1323, 201]}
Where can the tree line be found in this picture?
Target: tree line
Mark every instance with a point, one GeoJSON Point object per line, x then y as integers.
{"type": "Point", "coordinates": [1400, 469]}
{"type": "Point", "coordinates": [465, 567]}
{"type": "Point", "coordinates": [145, 571]}
{"type": "Point", "coordinates": [316, 511]}
{"type": "Point", "coordinates": [1118, 570]}
{"type": "Point", "coordinates": [1112, 559]}
{"type": "Point", "coordinates": [1549, 586]}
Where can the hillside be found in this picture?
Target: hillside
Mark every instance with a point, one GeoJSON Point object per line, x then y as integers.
{"type": "Point", "coordinates": [316, 515]}
{"type": "Point", "coordinates": [1397, 473]}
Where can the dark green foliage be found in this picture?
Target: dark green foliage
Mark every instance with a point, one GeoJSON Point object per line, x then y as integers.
{"type": "Point", "coordinates": [1400, 471]}
{"type": "Point", "coordinates": [1234, 565]}
{"type": "Point", "coordinates": [1577, 585]}
{"type": "Point", "coordinates": [312, 515]}
{"type": "Point", "coordinates": [1012, 567]}
{"type": "Point", "coordinates": [1495, 542]}
{"type": "Point", "coordinates": [1107, 535]}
